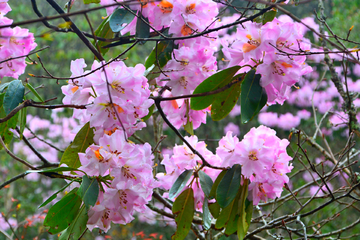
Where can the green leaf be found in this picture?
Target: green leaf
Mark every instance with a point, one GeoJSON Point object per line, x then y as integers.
{"type": "Point", "coordinates": [180, 183]}
{"type": "Point", "coordinates": [83, 139]}
{"type": "Point", "coordinates": [163, 53]}
{"type": "Point", "coordinates": [214, 209]}
{"type": "Point", "coordinates": [62, 213]}
{"type": "Point", "coordinates": [151, 110]}
{"type": "Point", "coordinates": [103, 31]}
{"type": "Point", "coordinates": [231, 224]}
{"type": "Point", "coordinates": [252, 96]}
{"type": "Point", "coordinates": [184, 208]}
{"type": "Point", "coordinates": [120, 19]}
{"type": "Point", "coordinates": [206, 183]}
{"type": "Point", "coordinates": [142, 28]}
{"type": "Point", "coordinates": [227, 213]}
{"type": "Point", "coordinates": [189, 128]}
{"type": "Point", "coordinates": [206, 215]}
{"type": "Point", "coordinates": [23, 113]}
{"type": "Point", "coordinates": [89, 191]}
{"type": "Point", "coordinates": [244, 208]}
{"type": "Point", "coordinates": [5, 132]}
{"type": "Point", "coordinates": [229, 186]}
{"type": "Point", "coordinates": [216, 184]}
{"type": "Point", "coordinates": [269, 16]}
{"type": "Point", "coordinates": [215, 81]}
{"type": "Point", "coordinates": [77, 227]}
{"type": "Point", "coordinates": [91, 1]}
{"type": "Point", "coordinates": [225, 102]}
{"type": "Point", "coordinates": [52, 197]}
{"type": "Point", "coordinates": [33, 90]}
{"type": "Point", "coordinates": [3, 86]}
{"type": "Point", "coordinates": [13, 96]}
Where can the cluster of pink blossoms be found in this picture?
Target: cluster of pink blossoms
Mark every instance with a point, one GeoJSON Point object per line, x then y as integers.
{"type": "Point", "coordinates": [127, 165]}
{"type": "Point", "coordinates": [261, 154]}
{"type": "Point", "coordinates": [130, 185]}
{"type": "Point", "coordinates": [129, 92]}
{"type": "Point", "coordinates": [270, 48]}
{"type": "Point", "coordinates": [14, 42]}
{"type": "Point", "coordinates": [183, 17]}
{"type": "Point", "coordinates": [263, 158]}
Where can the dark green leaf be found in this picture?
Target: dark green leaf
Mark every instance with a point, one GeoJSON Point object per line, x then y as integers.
{"type": "Point", "coordinates": [3, 86]}
{"type": "Point", "coordinates": [13, 96]}
{"type": "Point", "coordinates": [180, 183]}
{"type": "Point", "coordinates": [269, 16]}
{"type": "Point", "coordinates": [77, 227]}
{"type": "Point", "coordinates": [163, 53]}
{"type": "Point", "coordinates": [251, 96]}
{"type": "Point", "coordinates": [206, 215]}
{"type": "Point", "coordinates": [216, 184]}
{"type": "Point", "coordinates": [23, 113]}
{"type": "Point", "coordinates": [225, 102]}
{"type": "Point", "coordinates": [227, 213]}
{"type": "Point", "coordinates": [216, 81]}
{"type": "Point", "coordinates": [52, 197]}
{"type": "Point", "coordinates": [103, 31]}
{"type": "Point", "coordinates": [83, 139]}
{"type": "Point", "coordinates": [33, 90]}
{"type": "Point", "coordinates": [245, 207]}
{"type": "Point", "coordinates": [62, 213]}
{"type": "Point", "coordinates": [142, 27]}
{"type": "Point", "coordinates": [183, 208]}
{"type": "Point", "coordinates": [5, 132]}
{"type": "Point", "coordinates": [231, 224]}
{"type": "Point", "coordinates": [89, 191]}
{"type": "Point", "coordinates": [214, 209]}
{"type": "Point", "coordinates": [229, 186]}
{"type": "Point", "coordinates": [205, 182]}
{"type": "Point", "coordinates": [120, 19]}
{"type": "Point", "coordinates": [91, 1]}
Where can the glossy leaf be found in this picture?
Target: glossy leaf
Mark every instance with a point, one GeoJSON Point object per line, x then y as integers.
{"type": "Point", "coordinates": [244, 207]}
{"type": "Point", "coordinates": [214, 209]}
{"type": "Point", "coordinates": [229, 186]}
{"type": "Point", "coordinates": [269, 16]}
{"type": "Point", "coordinates": [89, 191]}
{"type": "Point", "coordinates": [62, 213]}
{"type": "Point", "coordinates": [52, 197]}
{"type": "Point", "coordinates": [142, 28]}
{"type": "Point", "coordinates": [120, 19]}
{"type": "Point", "coordinates": [33, 90]}
{"type": "Point", "coordinates": [226, 213]}
{"type": "Point", "coordinates": [206, 183]}
{"type": "Point", "coordinates": [252, 96]}
{"type": "Point", "coordinates": [163, 54]}
{"type": "Point", "coordinates": [180, 183]}
{"type": "Point", "coordinates": [216, 184]}
{"type": "Point", "coordinates": [77, 227]}
{"type": "Point", "coordinates": [215, 81]}
{"type": "Point", "coordinates": [13, 96]}
{"type": "Point", "coordinates": [83, 139]}
{"type": "Point", "coordinates": [5, 127]}
{"type": "Point", "coordinates": [103, 31]}
{"type": "Point", "coordinates": [183, 208]}
{"type": "Point", "coordinates": [225, 102]}
{"type": "Point", "coordinates": [231, 224]}
{"type": "Point", "coordinates": [206, 215]}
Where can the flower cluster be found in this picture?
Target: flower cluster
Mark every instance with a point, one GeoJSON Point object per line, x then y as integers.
{"type": "Point", "coordinates": [117, 96]}
{"type": "Point", "coordinates": [261, 154]}
{"type": "Point", "coordinates": [272, 48]}
{"type": "Point", "coordinates": [184, 159]}
{"type": "Point", "coordinates": [263, 158]}
{"type": "Point", "coordinates": [14, 42]}
{"type": "Point", "coordinates": [128, 168]}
